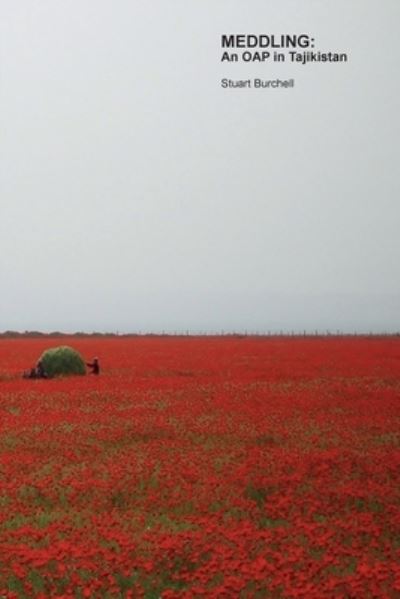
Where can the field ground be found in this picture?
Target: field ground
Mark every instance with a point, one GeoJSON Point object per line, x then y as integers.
{"type": "Point", "coordinates": [202, 467]}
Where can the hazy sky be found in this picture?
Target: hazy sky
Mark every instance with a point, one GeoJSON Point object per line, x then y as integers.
{"type": "Point", "coordinates": [137, 194]}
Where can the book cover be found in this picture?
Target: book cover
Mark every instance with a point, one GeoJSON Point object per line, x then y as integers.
{"type": "Point", "coordinates": [199, 299]}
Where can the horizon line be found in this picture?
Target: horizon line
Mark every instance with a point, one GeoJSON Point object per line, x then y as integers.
{"type": "Point", "coordinates": [204, 333]}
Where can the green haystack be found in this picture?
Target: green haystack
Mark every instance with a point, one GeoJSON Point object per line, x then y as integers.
{"type": "Point", "coordinates": [62, 361]}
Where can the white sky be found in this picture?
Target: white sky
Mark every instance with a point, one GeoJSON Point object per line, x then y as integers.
{"type": "Point", "coordinates": [136, 194]}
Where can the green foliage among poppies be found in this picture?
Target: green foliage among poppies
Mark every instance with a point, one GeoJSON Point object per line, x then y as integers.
{"type": "Point", "coordinates": [62, 361]}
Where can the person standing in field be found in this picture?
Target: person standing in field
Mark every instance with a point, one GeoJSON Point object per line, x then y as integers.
{"type": "Point", "coordinates": [95, 366]}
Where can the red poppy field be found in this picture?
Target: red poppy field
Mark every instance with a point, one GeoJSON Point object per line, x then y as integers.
{"type": "Point", "coordinates": [202, 467]}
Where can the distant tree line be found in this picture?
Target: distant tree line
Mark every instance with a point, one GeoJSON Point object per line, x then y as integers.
{"type": "Point", "coordinates": [34, 334]}
{"type": "Point", "coordinates": [18, 334]}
